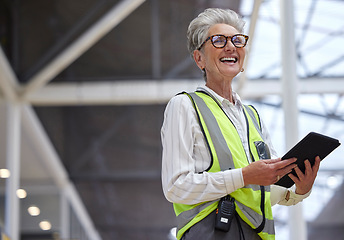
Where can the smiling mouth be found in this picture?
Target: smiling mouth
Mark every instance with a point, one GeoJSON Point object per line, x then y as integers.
{"type": "Point", "coordinates": [229, 59]}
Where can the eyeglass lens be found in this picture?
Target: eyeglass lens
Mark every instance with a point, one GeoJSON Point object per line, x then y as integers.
{"type": "Point", "coordinates": [219, 41]}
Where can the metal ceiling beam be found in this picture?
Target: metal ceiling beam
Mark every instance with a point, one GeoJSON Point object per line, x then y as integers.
{"type": "Point", "coordinates": [53, 164]}
{"type": "Point", "coordinates": [68, 37]}
{"type": "Point", "coordinates": [9, 86]}
{"type": "Point", "coordinates": [13, 140]}
{"type": "Point", "coordinates": [113, 176]}
{"type": "Point", "coordinates": [155, 40]}
{"type": "Point", "coordinates": [159, 92]}
{"type": "Point", "coordinates": [251, 31]}
{"type": "Point", "coordinates": [81, 45]}
{"type": "Point", "coordinates": [8, 80]}
{"type": "Point", "coordinates": [290, 83]}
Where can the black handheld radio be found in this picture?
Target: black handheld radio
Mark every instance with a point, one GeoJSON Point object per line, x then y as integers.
{"type": "Point", "coordinates": [225, 213]}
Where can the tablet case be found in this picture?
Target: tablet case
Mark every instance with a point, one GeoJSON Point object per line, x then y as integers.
{"type": "Point", "coordinates": [312, 145]}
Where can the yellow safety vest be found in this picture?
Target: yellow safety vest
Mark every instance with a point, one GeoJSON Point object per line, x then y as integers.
{"type": "Point", "coordinates": [227, 152]}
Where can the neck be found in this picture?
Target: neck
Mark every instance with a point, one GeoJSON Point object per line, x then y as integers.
{"type": "Point", "coordinates": [224, 89]}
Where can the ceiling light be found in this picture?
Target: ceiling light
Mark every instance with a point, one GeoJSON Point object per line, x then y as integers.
{"type": "Point", "coordinates": [34, 211]}
{"type": "Point", "coordinates": [5, 173]}
{"type": "Point", "coordinates": [45, 225]}
{"type": "Point", "coordinates": [334, 181]}
{"type": "Point", "coordinates": [21, 193]}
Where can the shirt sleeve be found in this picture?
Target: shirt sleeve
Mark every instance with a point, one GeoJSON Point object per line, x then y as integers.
{"type": "Point", "coordinates": [284, 196]}
{"type": "Point", "coordinates": [181, 182]}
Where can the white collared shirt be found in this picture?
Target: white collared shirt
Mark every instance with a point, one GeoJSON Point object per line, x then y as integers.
{"type": "Point", "coordinates": [185, 155]}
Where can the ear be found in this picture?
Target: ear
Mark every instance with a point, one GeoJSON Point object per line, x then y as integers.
{"type": "Point", "coordinates": [199, 58]}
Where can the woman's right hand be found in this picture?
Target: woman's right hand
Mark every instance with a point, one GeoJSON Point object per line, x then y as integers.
{"type": "Point", "coordinates": [268, 171]}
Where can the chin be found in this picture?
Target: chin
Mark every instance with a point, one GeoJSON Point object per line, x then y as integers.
{"type": "Point", "coordinates": [232, 74]}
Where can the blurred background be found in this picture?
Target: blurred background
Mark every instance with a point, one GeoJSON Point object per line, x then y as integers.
{"type": "Point", "coordinates": [83, 87]}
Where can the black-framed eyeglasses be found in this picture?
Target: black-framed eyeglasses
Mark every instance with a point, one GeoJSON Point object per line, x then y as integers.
{"type": "Point", "coordinates": [220, 41]}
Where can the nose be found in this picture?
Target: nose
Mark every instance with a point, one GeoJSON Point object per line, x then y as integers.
{"type": "Point", "coordinates": [229, 46]}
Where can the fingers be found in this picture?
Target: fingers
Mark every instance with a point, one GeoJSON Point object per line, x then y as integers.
{"type": "Point", "coordinates": [299, 173]}
{"type": "Point", "coordinates": [309, 170]}
{"type": "Point", "coordinates": [294, 178]}
{"type": "Point", "coordinates": [305, 181]}
{"type": "Point", "coordinates": [280, 168]}
{"type": "Point", "coordinates": [286, 170]}
{"type": "Point", "coordinates": [316, 164]}
{"type": "Point", "coordinates": [271, 161]}
{"type": "Point", "coordinates": [284, 163]}
{"type": "Point", "coordinates": [269, 171]}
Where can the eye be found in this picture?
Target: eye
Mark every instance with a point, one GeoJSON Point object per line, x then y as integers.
{"type": "Point", "coordinates": [218, 40]}
{"type": "Point", "coordinates": [239, 40]}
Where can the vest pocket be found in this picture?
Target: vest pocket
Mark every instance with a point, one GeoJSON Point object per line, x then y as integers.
{"type": "Point", "coordinates": [262, 150]}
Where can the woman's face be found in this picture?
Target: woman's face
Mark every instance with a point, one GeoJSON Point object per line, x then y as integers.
{"type": "Point", "coordinates": [224, 62]}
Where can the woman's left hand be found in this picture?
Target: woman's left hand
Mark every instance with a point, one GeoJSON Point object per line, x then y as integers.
{"type": "Point", "coordinates": [304, 181]}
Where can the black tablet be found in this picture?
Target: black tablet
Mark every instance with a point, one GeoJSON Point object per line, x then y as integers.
{"type": "Point", "coordinates": [312, 145]}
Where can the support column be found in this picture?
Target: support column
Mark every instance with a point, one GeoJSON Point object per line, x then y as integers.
{"type": "Point", "coordinates": [12, 204]}
{"type": "Point", "coordinates": [290, 90]}
{"type": "Point", "coordinates": [64, 216]}
{"type": "Point", "coordinates": [155, 35]}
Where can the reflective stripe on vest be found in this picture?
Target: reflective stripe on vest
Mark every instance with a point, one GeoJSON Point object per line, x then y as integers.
{"type": "Point", "coordinates": [255, 219]}
{"type": "Point", "coordinates": [219, 142]}
{"type": "Point", "coordinates": [188, 215]}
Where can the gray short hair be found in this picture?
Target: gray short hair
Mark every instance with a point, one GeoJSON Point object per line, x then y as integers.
{"type": "Point", "coordinates": [198, 29]}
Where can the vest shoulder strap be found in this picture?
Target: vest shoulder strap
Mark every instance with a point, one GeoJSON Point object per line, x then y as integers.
{"type": "Point", "coordinates": [254, 115]}
{"type": "Point", "coordinates": [222, 151]}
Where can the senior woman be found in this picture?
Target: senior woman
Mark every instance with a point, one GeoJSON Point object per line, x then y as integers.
{"type": "Point", "coordinates": [218, 162]}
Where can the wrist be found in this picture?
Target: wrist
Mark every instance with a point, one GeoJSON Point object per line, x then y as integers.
{"type": "Point", "coordinates": [301, 192]}
{"type": "Point", "coordinates": [245, 176]}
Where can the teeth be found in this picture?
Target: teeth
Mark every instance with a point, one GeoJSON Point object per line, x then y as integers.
{"type": "Point", "coordinates": [229, 59]}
